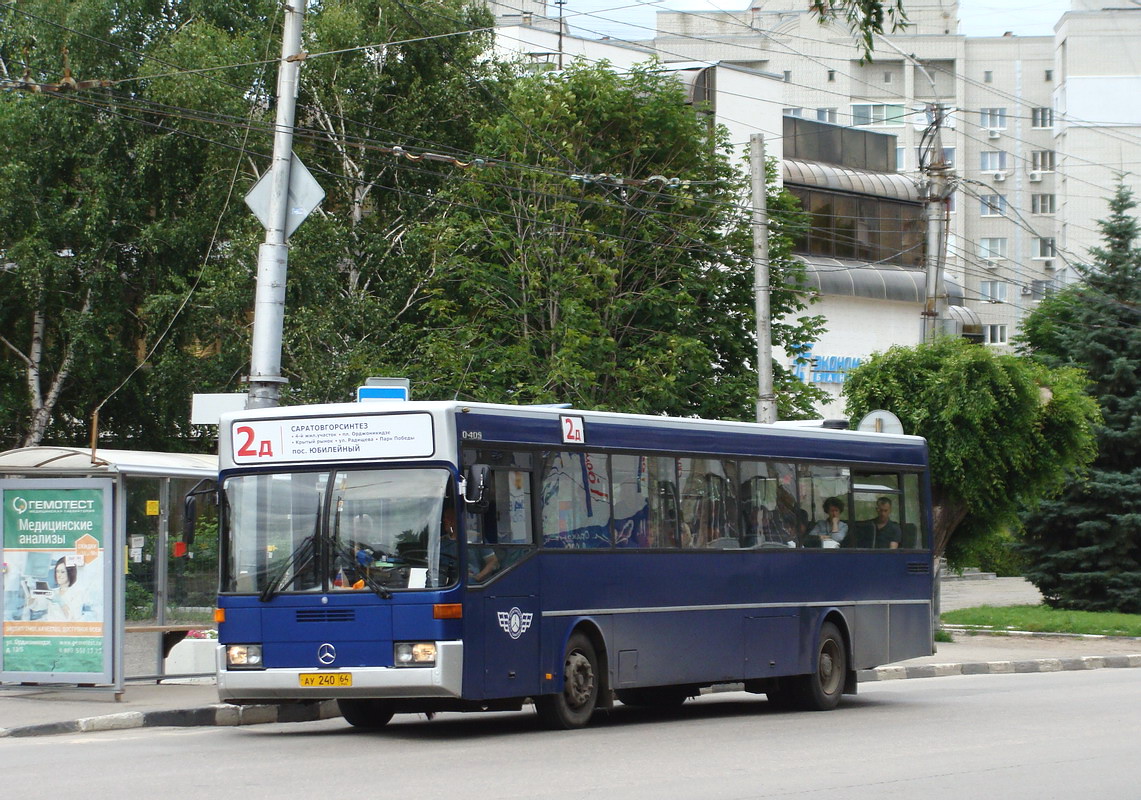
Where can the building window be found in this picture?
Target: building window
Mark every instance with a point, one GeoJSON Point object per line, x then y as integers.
{"type": "Point", "coordinates": [992, 118]}
{"type": "Point", "coordinates": [1041, 204]}
{"type": "Point", "coordinates": [887, 77]}
{"type": "Point", "coordinates": [831, 76]}
{"type": "Point", "coordinates": [900, 159]}
{"type": "Point", "coordinates": [992, 160]}
{"type": "Point", "coordinates": [1042, 160]}
{"type": "Point", "coordinates": [1042, 118]}
{"type": "Point", "coordinates": [993, 205]}
{"type": "Point", "coordinates": [994, 334]}
{"type": "Point", "coordinates": [988, 76]}
{"type": "Point", "coordinates": [992, 248]}
{"type": "Point", "coordinates": [992, 291]}
{"type": "Point", "coordinates": [788, 76]}
{"type": "Point", "coordinates": [949, 156]}
{"type": "Point", "coordinates": [1049, 75]}
{"type": "Point", "coordinates": [1042, 289]}
{"type": "Point", "coordinates": [826, 115]}
{"type": "Point", "coordinates": [1044, 247]}
{"type": "Point", "coordinates": [877, 114]}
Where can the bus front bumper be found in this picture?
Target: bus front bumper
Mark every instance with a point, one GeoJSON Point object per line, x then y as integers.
{"type": "Point", "coordinates": [444, 679]}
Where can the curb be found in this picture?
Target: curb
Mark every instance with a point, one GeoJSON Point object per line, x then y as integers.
{"type": "Point", "coordinates": [224, 714]}
{"type": "Point", "coordinates": [219, 715]}
{"type": "Point", "coordinates": [1000, 667]}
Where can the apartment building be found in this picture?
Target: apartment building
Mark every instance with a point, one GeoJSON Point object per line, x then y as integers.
{"type": "Point", "coordinates": [1037, 129]}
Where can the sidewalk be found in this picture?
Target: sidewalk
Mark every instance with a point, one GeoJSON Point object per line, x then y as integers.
{"type": "Point", "coordinates": [43, 710]}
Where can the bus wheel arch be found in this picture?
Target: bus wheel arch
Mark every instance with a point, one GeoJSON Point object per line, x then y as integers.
{"type": "Point", "coordinates": [584, 686]}
{"type": "Point", "coordinates": [821, 689]}
{"type": "Point", "coordinates": [831, 676]}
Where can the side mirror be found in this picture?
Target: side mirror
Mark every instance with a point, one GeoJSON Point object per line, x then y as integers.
{"type": "Point", "coordinates": [475, 488]}
{"type": "Point", "coordinates": [204, 487]}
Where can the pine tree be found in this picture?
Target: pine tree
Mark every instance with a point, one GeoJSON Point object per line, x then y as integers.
{"type": "Point", "coordinates": [1085, 546]}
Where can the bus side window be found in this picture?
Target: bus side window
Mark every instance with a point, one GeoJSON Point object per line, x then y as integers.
{"type": "Point", "coordinates": [575, 500]}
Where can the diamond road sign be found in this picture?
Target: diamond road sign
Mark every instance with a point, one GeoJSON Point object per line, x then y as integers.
{"type": "Point", "coordinates": [305, 194]}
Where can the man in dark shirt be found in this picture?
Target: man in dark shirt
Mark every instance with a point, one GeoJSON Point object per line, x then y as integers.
{"type": "Point", "coordinates": [881, 532]}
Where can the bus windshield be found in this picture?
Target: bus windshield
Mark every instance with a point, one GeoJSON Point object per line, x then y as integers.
{"type": "Point", "coordinates": [372, 530]}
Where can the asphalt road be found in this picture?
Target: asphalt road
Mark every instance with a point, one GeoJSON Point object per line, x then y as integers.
{"type": "Point", "coordinates": [1041, 736]}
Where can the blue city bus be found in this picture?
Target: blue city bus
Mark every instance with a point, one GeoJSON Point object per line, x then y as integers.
{"type": "Point", "coordinates": [431, 556]}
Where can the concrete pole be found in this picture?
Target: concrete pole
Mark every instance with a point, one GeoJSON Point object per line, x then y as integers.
{"type": "Point", "coordinates": [766, 400]}
{"type": "Point", "coordinates": [273, 255]}
{"type": "Point", "coordinates": [935, 305]}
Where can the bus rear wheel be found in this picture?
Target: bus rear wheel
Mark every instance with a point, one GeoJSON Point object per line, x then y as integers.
{"type": "Point", "coordinates": [366, 714]}
{"type": "Point", "coordinates": [575, 704]}
{"type": "Point", "coordinates": [819, 690]}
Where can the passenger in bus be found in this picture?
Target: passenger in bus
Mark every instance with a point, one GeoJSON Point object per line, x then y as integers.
{"type": "Point", "coordinates": [882, 532]}
{"type": "Point", "coordinates": [481, 561]}
{"type": "Point", "coordinates": [831, 530]}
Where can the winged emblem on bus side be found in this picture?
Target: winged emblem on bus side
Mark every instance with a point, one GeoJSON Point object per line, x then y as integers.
{"type": "Point", "coordinates": [514, 622]}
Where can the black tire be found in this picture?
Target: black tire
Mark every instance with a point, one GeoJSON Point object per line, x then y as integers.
{"type": "Point", "coordinates": [369, 715]}
{"type": "Point", "coordinates": [575, 704]}
{"type": "Point", "coordinates": [820, 690]}
{"type": "Point", "coordinates": [664, 697]}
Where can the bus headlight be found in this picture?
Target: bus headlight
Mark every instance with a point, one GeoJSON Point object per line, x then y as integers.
{"type": "Point", "coordinates": [414, 654]}
{"type": "Point", "coordinates": [243, 656]}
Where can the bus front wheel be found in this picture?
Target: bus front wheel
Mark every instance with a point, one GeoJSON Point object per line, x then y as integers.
{"type": "Point", "coordinates": [574, 705]}
{"type": "Point", "coordinates": [366, 714]}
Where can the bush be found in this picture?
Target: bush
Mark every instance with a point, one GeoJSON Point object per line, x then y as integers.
{"type": "Point", "coordinates": [991, 552]}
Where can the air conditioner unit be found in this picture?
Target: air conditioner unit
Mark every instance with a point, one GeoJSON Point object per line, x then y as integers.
{"type": "Point", "coordinates": [1035, 177]}
{"type": "Point", "coordinates": [1048, 264]}
{"type": "Point", "coordinates": [1027, 291]}
{"type": "Point", "coordinates": [998, 177]}
{"type": "Point", "coordinates": [990, 263]}
{"type": "Point", "coordinates": [992, 133]}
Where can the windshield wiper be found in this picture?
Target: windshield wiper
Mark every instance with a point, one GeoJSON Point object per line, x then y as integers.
{"type": "Point", "coordinates": [300, 558]}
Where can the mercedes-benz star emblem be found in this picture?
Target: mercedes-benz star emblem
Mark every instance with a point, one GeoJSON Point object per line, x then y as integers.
{"type": "Point", "coordinates": [326, 654]}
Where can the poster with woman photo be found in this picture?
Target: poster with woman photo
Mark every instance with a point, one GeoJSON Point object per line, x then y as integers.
{"type": "Point", "coordinates": [56, 581]}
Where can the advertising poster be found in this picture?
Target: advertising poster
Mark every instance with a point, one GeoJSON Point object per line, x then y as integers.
{"type": "Point", "coordinates": [56, 607]}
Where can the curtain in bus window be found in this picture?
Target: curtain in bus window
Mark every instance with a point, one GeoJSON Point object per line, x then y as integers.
{"type": "Point", "coordinates": [791, 520]}
{"type": "Point", "coordinates": [631, 500]}
{"type": "Point", "coordinates": [914, 522]}
{"type": "Point", "coordinates": [758, 492]}
{"type": "Point", "coordinates": [664, 507]}
{"type": "Point", "coordinates": [709, 503]}
{"type": "Point", "coordinates": [575, 500]}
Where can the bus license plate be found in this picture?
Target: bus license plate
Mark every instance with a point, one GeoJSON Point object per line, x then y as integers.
{"type": "Point", "coordinates": [326, 679]}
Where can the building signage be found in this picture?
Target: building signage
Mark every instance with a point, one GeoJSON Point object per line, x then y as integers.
{"type": "Point", "coordinates": [347, 438]}
{"type": "Point", "coordinates": [58, 582]}
{"type": "Point", "coordinates": [825, 368]}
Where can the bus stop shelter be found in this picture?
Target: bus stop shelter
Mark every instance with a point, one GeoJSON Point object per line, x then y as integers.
{"type": "Point", "coordinates": [99, 581]}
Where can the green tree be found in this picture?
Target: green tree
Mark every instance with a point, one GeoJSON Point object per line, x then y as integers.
{"type": "Point", "coordinates": [1003, 431]}
{"type": "Point", "coordinates": [605, 260]}
{"type": "Point", "coordinates": [866, 18]}
{"type": "Point", "coordinates": [113, 192]}
{"type": "Point", "coordinates": [128, 257]}
{"type": "Point", "coordinates": [1085, 546]}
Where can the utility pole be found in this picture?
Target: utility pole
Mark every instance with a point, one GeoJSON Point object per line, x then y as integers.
{"type": "Point", "coordinates": [766, 400]}
{"type": "Point", "coordinates": [938, 185]}
{"type": "Point", "coordinates": [560, 4]}
{"type": "Point", "coordinates": [273, 255]}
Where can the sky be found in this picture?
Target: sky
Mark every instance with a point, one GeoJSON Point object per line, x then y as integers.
{"type": "Point", "coordinates": [634, 19]}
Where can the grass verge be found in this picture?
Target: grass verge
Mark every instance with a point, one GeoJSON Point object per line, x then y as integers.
{"type": "Point", "coordinates": [1043, 619]}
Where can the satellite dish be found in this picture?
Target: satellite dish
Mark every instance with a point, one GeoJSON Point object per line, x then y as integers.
{"type": "Point", "coordinates": [880, 421]}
